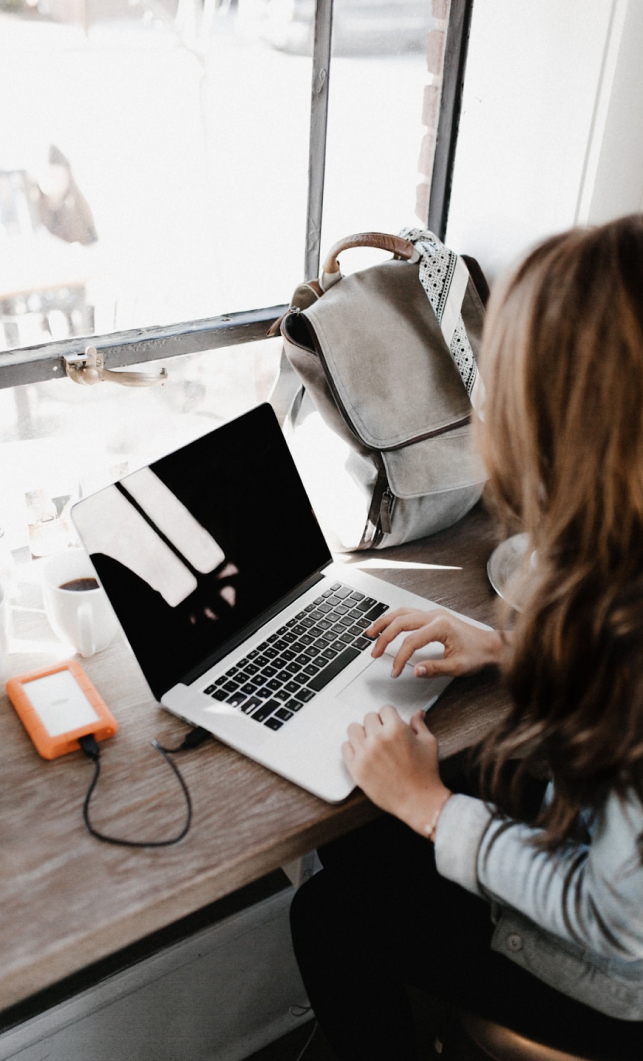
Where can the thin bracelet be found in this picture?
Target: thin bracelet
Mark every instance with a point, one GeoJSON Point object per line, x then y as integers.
{"type": "Point", "coordinates": [433, 824]}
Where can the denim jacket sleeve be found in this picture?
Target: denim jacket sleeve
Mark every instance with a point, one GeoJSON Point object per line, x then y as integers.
{"type": "Point", "coordinates": [588, 895]}
{"type": "Point", "coordinates": [573, 919]}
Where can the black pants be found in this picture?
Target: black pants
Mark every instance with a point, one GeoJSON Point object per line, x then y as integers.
{"type": "Point", "coordinates": [379, 916]}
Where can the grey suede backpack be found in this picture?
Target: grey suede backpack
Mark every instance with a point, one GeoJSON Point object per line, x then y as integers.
{"type": "Point", "coordinates": [387, 361]}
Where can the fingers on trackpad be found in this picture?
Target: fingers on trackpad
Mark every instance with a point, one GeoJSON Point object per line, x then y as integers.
{"type": "Point", "coordinates": [374, 687]}
{"type": "Point", "coordinates": [434, 650]}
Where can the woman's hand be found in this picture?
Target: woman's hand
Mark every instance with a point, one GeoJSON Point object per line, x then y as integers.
{"type": "Point", "coordinates": [467, 648]}
{"type": "Point", "coordinates": [396, 766]}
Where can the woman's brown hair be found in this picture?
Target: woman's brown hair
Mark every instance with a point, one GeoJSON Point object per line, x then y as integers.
{"type": "Point", "coordinates": [562, 440]}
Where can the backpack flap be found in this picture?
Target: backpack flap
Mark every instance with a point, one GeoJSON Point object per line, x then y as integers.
{"type": "Point", "coordinates": [448, 461]}
{"type": "Point", "coordinates": [385, 357]}
{"type": "Point", "coordinates": [372, 357]}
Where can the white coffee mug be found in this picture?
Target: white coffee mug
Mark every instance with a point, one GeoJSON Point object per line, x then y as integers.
{"type": "Point", "coordinates": [76, 604]}
{"type": "Point", "coordinates": [4, 632]}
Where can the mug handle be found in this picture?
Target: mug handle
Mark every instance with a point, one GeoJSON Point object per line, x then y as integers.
{"type": "Point", "coordinates": [86, 630]}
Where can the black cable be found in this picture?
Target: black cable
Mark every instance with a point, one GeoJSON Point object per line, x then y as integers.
{"type": "Point", "coordinates": [91, 749]}
{"type": "Point", "coordinates": [193, 739]}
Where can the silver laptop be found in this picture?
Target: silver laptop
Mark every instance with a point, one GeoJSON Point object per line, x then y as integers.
{"type": "Point", "coordinates": [240, 620]}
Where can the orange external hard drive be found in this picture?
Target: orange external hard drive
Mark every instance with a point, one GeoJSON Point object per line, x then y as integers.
{"type": "Point", "coordinates": [58, 705]}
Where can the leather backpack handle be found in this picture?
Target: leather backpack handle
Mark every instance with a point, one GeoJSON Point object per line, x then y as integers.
{"type": "Point", "coordinates": [396, 245]}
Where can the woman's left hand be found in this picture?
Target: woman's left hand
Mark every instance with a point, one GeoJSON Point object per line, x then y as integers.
{"type": "Point", "coordinates": [396, 766]}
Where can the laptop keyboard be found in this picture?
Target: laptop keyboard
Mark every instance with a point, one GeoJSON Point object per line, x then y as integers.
{"type": "Point", "coordinates": [286, 671]}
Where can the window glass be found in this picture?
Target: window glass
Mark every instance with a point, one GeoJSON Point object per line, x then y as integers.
{"type": "Point", "coordinates": [375, 123]}
{"type": "Point", "coordinates": [153, 164]}
{"type": "Point", "coordinates": [153, 169]}
{"type": "Point", "coordinates": [60, 441]}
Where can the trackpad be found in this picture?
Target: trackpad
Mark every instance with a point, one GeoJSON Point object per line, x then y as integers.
{"type": "Point", "coordinates": [374, 687]}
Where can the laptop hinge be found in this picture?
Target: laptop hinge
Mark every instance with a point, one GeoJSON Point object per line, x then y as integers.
{"type": "Point", "coordinates": [251, 628]}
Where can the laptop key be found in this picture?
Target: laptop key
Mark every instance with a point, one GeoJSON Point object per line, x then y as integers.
{"type": "Point", "coordinates": [333, 669]}
{"type": "Point", "coordinates": [377, 610]}
{"type": "Point", "coordinates": [362, 608]}
{"type": "Point", "coordinates": [301, 651]}
{"type": "Point", "coordinates": [250, 705]}
{"type": "Point", "coordinates": [265, 710]}
{"type": "Point", "coordinates": [332, 650]}
{"type": "Point", "coordinates": [273, 723]}
{"type": "Point", "coordinates": [219, 694]}
{"type": "Point", "coordinates": [236, 700]}
{"type": "Point", "coordinates": [283, 713]}
{"type": "Point", "coordinates": [295, 705]}
{"type": "Point", "coordinates": [305, 695]}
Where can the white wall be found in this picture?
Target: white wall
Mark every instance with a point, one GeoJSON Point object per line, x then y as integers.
{"type": "Point", "coordinates": [551, 126]}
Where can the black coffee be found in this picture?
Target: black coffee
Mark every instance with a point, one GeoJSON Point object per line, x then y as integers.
{"type": "Point", "coordinates": [77, 584]}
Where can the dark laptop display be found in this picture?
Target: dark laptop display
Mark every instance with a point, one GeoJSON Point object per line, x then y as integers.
{"type": "Point", "coordinates": [259, 529]}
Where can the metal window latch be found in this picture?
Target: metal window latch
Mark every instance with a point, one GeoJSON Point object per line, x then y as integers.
{"type": "Point", "coordinates": [89, 368]}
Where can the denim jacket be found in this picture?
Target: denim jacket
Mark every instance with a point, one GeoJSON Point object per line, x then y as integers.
{"type": "Point", "coordinates": [573, 919]}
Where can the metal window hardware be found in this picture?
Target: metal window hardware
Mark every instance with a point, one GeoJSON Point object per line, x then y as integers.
{"type": "Point", "coordinates": [89, 368]}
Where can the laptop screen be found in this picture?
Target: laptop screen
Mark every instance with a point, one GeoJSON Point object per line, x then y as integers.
{"type": "Point", "coordinates": [195, 548]}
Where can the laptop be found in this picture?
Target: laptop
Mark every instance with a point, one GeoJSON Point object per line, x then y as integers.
{"type": "Point", "coordinates": [241, 621]}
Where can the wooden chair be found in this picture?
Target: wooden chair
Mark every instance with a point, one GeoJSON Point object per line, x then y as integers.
{"type": "Point", "coordinates": [476, 1038]}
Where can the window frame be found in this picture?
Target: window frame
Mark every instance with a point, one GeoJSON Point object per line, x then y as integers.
{"type": "Point", "coordinates": [35, 364]}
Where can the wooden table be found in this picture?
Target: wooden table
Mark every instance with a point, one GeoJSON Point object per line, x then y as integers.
{"type": "Point", "coordinates": [67, 900]}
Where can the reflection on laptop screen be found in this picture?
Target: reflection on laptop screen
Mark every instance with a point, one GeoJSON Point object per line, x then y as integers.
{"type": "Point", "coordinates": [193, 549]}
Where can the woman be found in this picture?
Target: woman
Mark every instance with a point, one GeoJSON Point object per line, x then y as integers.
{"type": "Point", "coordinates": [532, 919]}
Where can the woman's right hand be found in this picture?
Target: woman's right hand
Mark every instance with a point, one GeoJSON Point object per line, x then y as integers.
{"type": "Point", "coordinates": [467, 648]}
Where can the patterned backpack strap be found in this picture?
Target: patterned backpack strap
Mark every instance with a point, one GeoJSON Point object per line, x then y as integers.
{"type": "Point", "coordinates": [444, 276]}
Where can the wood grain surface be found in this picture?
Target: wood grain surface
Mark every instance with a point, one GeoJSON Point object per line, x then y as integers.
{"type": "Point", "coordinates": [67, 900]}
